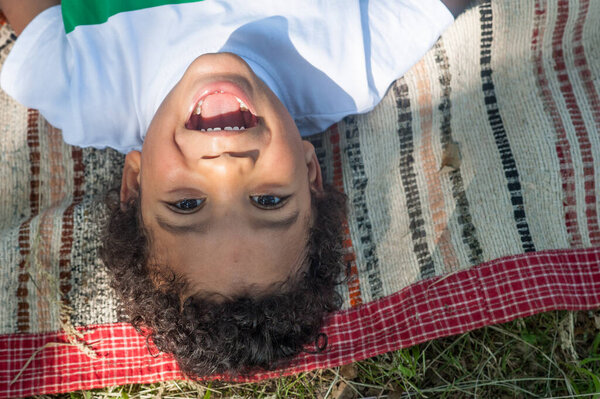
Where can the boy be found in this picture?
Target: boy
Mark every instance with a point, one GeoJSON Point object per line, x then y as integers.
{"type": "Point", "coordinates": [224, 245]}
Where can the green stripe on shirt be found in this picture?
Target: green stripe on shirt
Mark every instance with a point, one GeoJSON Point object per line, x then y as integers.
{"type": "Point", "coordinates": [92, 12]}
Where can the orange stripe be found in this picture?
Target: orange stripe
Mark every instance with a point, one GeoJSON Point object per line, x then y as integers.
{"type": "Point", "coordinates": [349, 257]}
{"type": "Point", "coordinates": [57, 169]}
{"type": "Point", "coordinates": [442, 238]}
{"type": "Point", "coordinates": [57, 194]}
{"type": "Point", "coordinates": [44, 263]}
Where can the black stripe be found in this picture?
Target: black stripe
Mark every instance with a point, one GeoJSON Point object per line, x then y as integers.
{"type": "Point", "coordinates": [11, 39]}
{"type": "Point", "coordinates": [495, 119]}
{"type": "Point", "coordinates": [366, 244]}
{"type": "Point", "coordinates": [409, 180]}
{"type": "Point", "coordinates": [465, 221]}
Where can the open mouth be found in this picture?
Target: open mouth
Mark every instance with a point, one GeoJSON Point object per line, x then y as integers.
{"type": "Point", "coordinates": [220, 111]}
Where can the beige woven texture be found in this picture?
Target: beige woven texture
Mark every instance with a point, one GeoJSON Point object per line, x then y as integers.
{"type": "Point", "coordinates": [488, 147]}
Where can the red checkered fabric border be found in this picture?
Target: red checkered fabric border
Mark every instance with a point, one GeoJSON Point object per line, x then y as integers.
{"type": "Point", "coordinates": [494, 292]}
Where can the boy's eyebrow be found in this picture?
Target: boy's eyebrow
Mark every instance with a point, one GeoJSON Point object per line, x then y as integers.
{"type": "Point", "coordinates": [203, 227]}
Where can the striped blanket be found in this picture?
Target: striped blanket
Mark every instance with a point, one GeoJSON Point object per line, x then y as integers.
{"type": "Point", "coordinates": [473, 201]}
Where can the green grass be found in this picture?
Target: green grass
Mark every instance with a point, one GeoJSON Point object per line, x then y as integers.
{"type": "Point", "coordinates": [550, 355]}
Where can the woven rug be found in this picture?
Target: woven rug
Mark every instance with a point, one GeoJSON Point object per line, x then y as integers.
{"type": "Point", "coordinates": [473, 201]}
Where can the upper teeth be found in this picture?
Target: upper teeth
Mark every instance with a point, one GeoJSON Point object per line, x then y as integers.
{"type": "Point", "coordinates": [198, 110]}
{"type": "Point", "coordinates": [243, 106]}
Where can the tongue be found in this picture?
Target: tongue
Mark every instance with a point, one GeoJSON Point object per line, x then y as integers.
{"type": "Point", "coordinates": [219, 104]}
{"type": "Point", "coordinates": [220, 110]}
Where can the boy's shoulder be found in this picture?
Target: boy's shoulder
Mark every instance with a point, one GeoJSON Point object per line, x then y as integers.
{"type": "Point", "coordinates": [20, 13]}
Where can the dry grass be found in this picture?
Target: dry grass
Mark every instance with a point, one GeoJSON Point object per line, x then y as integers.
{"type": "Point", "coordinates": [550, 355]}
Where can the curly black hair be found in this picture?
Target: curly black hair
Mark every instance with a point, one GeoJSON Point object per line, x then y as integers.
{"type": "Point", "coordinates": [239, 335]}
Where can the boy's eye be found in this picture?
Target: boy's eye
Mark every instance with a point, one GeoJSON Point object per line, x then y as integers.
{"type": "Point", "coordinates": [268, 201]}
{"type": "Point", "coordinates": [187, 205]}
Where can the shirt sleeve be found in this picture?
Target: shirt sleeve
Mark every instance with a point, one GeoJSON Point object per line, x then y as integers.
{"type": "Point", "coordinates": [78, 82]}
{"type": "Point", "coordinates": [400, 33]}
{"type": "Point", "coordinates": [36, 71]}
{"type": "Point", "coordinates": [368, 49]}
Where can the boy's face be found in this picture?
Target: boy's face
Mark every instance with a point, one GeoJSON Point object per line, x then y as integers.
{"type": "Point", "coordinates": [229, 210]}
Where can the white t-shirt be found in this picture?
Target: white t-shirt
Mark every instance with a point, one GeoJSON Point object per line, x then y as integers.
{"type": "Point", "coordinates": [101, 83]}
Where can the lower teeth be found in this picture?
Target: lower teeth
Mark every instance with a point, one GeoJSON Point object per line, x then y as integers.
{"type": "Point", "coordinates": [218, 129]}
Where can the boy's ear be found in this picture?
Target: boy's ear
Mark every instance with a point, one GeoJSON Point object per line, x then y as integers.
{"type": "Point", "coordinates": [130, 183]}
{"type": "Point", "coordinates": [314, 169]}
